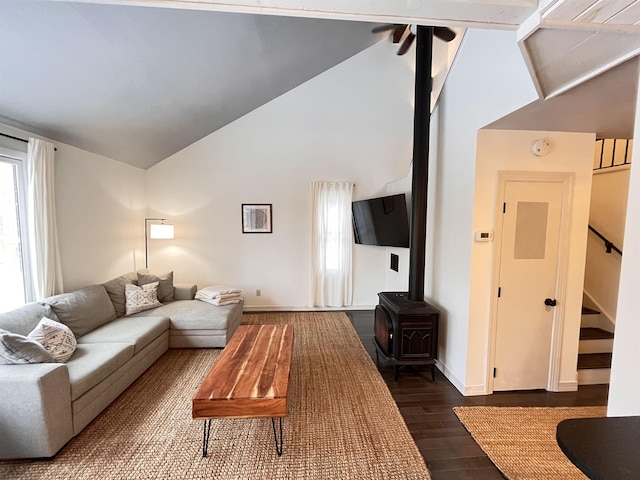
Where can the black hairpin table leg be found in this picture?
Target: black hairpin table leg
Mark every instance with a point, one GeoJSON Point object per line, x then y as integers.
{"type": "Point", "coordinates": [275, 436]}
{"type": "Point", "coordinates": [205, 438]}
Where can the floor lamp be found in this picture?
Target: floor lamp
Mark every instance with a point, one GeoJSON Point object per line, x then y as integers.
{"type": "Point", "coordinates": [155, 231]}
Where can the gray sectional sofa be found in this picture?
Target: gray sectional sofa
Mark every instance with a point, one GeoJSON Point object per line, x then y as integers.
{"type": "Point", "coordinates": [44, 405]}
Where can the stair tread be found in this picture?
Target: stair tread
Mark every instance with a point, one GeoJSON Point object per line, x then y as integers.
{"type": "Point", "coordinates": [594, 360]}
{"type": "Point", "coordinates": [591, 333]}
{"type": "Point", "coordinates": [589, 311]}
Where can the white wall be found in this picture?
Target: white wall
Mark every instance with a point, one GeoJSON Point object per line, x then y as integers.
{"type": "Point", "coordinates": [351, 123]}
{"type": "Point", "coordinates": [624, 387]}
{"type": "Point", "coordinates": [488, 80]}
{"type": "Point", "coordinates": [100, 207]}
{"type": "Point", "coordinates": [497, 151]}
{"type": "Point", "coordinates": [609, 193]}
{"type": "Point", "coordinates": [398, 281]}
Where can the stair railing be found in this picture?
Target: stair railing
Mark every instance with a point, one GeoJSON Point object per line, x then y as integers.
{"type": "Point", "coordinates": [609, 160]}
{"type": "Point", "coordinates": [607, 244]}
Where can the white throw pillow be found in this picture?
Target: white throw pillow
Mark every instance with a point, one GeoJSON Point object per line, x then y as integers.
{"type": "Point", "coordinates": [18, 350]}
{"type": "Point", "coordinates": [56, 338]}
{"type": "Point", "coordinates": [141, 298]}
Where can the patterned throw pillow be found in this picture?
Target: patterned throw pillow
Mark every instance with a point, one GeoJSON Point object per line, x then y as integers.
{"type": "Point", "coordinates": [165, 287]}
{"type": "Point", "coordinates": [141, 298]}
{"type": "Point", "coordinates": [56, 338]}
{"type": "Point", "coordinates": [17, 350]}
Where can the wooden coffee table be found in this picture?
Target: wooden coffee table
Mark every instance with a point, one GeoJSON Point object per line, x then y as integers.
{"type": "Point", "coordinates": [250, 379]}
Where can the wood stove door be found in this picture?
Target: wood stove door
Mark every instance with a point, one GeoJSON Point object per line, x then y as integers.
{"type": "Point", "coordinates": [383, 329]}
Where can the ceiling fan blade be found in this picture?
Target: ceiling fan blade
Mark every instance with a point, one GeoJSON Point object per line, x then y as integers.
{"type": "Point", "coordinates": [443, 33]}
{"type": "Point", "coordinates": [406, 44]}
{"type": "Point", "coordinates": [398, 32]}
{"type": "Point", "coordinates": [386, 28]}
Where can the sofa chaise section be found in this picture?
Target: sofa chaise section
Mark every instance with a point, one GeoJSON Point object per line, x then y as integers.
{"type": "Point", "coordinates": [196, 324]}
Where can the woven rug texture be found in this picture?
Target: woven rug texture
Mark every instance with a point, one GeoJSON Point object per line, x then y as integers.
{"type": "Point", "coordinates": [342, 421]}
{"type": "Point", "coordinates": [521, 441]}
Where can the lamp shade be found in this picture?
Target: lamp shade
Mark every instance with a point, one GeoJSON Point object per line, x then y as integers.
{"type": "Point", "coordinates": [160, 230]}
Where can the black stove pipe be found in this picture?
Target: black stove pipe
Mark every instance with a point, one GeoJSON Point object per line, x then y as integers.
{"type": "Point", "coordinates": [421, 126]}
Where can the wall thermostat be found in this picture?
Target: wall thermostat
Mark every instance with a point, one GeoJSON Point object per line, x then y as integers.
{"type": "Point", "coordinates": [483, 236]}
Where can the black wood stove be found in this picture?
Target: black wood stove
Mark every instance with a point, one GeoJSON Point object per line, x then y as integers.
{"type": "Point", "coordinates": [406, 327]}
{"type": "Point", "coordinates": [406, 332]}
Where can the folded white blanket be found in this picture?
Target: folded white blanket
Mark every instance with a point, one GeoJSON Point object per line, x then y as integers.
{"type": "Point", "coordinates": [226, 296]}
{"type": "Point", "coordinates": [215, 291]}
{"type": "Point", "coordinates": [218, 301]}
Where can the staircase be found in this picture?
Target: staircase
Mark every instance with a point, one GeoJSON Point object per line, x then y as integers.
{"type": "Point", "coordinates": [594, 352]}
{"type": "Point", "coordinates": [612, 160]}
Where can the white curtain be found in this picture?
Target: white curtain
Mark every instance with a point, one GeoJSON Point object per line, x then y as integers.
{"type": "Point", "coordinates": [41, 211]}
{"type": "Point", "coordinates": [331, 244]}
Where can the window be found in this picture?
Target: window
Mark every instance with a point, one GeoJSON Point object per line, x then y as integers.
{"type": "Point", "coordinates": [332, 240]}
{"type": "Point", "coordinates": [15, 272]}
{"type": "Point", "coordinates": [333, 257]}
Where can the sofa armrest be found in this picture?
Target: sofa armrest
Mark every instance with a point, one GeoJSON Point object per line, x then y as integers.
{"type": "Point", "coordinates": [35, 410]}
{"type": "Point", "coordinates": [184, 291]}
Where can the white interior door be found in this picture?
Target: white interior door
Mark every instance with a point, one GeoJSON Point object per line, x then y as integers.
{"type": "Point", "coordinates": [527, 277]}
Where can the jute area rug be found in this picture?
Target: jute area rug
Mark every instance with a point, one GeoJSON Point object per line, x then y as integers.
{"type": "Point", "coordinates": [342, 422]}
{"type": "Point", "coordinates": [521, 441]}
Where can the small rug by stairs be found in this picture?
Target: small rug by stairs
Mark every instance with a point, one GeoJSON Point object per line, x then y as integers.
{"type": "Point", "coordinates": [342, 421]}
{"type": "Point", "coordinates": [521, 441]}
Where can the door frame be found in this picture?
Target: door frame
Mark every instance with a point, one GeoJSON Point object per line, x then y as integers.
{"type": "Point", "coordinates": [567, 181]}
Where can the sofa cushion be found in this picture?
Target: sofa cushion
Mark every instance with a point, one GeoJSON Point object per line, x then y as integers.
{"type": "Point", "coordinates": [194, 315]}
{"type": "Point", "coordinates": [115, 290]}
{"type": "Point", "coordinates": [138, 332]}
{"type": "Point", "coordinates": [83, 310]}
{"type": "Point", "coordinates": [165, 287]}
{"type": "Point", "coordinates": [141, 298]}
{"type": "Point", "coordinates": [93, 362]}
{"type": "Point", "coordinates": [24, 319]}
{"type": "Point", "coordinates": [56, 338]}
{"type": "Point", "coordinates": [17, 349]}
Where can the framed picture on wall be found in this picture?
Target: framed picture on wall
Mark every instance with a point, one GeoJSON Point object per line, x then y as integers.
{"type": "Point", "coordinates": [256, 218]}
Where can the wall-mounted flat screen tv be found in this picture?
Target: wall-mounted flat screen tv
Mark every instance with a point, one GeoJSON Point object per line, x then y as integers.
{"type": "Point", "coordinates": [381, 221]}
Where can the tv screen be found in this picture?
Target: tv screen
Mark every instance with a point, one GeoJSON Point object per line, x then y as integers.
{"type": "Point", "coordinates": [381, 221]}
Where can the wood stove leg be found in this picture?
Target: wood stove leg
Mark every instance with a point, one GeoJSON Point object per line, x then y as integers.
{"type": "Point", "coordinates": [397, 368]}
{"type": "Point", "coordinates": [377, 359]}
{"type": "Point", "coordinates": [433, 372]}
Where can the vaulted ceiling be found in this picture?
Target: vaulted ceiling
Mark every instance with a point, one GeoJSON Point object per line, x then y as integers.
{"type": "Point", "coordinates": [138, 84]}
{"type": "Point", "coordinates": [138, 80]}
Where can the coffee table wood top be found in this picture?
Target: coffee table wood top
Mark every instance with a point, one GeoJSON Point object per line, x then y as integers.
{"type": "Point", "coordinates": [250, 379]}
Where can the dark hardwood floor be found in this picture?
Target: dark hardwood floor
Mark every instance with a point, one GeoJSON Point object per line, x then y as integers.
{"type": "Point", "coordinates": [448, 449]}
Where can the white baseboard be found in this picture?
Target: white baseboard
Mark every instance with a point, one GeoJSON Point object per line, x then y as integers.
{"type": "Point", "coordinates": [474, 390]}
{"type": "Point", "coordinates": [567, 386]}
{"type": "Point", "coordinates": [300, 308]}
{"type": "Point", "coordinates": [460, 386]}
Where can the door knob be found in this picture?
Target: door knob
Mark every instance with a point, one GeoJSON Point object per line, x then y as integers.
{"type": "Point", "coordinates": [549, 302]}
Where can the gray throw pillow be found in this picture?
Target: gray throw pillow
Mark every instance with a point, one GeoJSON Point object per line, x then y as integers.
{"type": "Point", "coordinates": [18, 350]}
{"type": "Point", "coordinates": [115, 289]}
{"type": "Point", "coordinates": [24, 319]}
{"type": "Point", "coordinates": [83, 310]}
{"type": "Point", "coordinates": [165, 287]}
